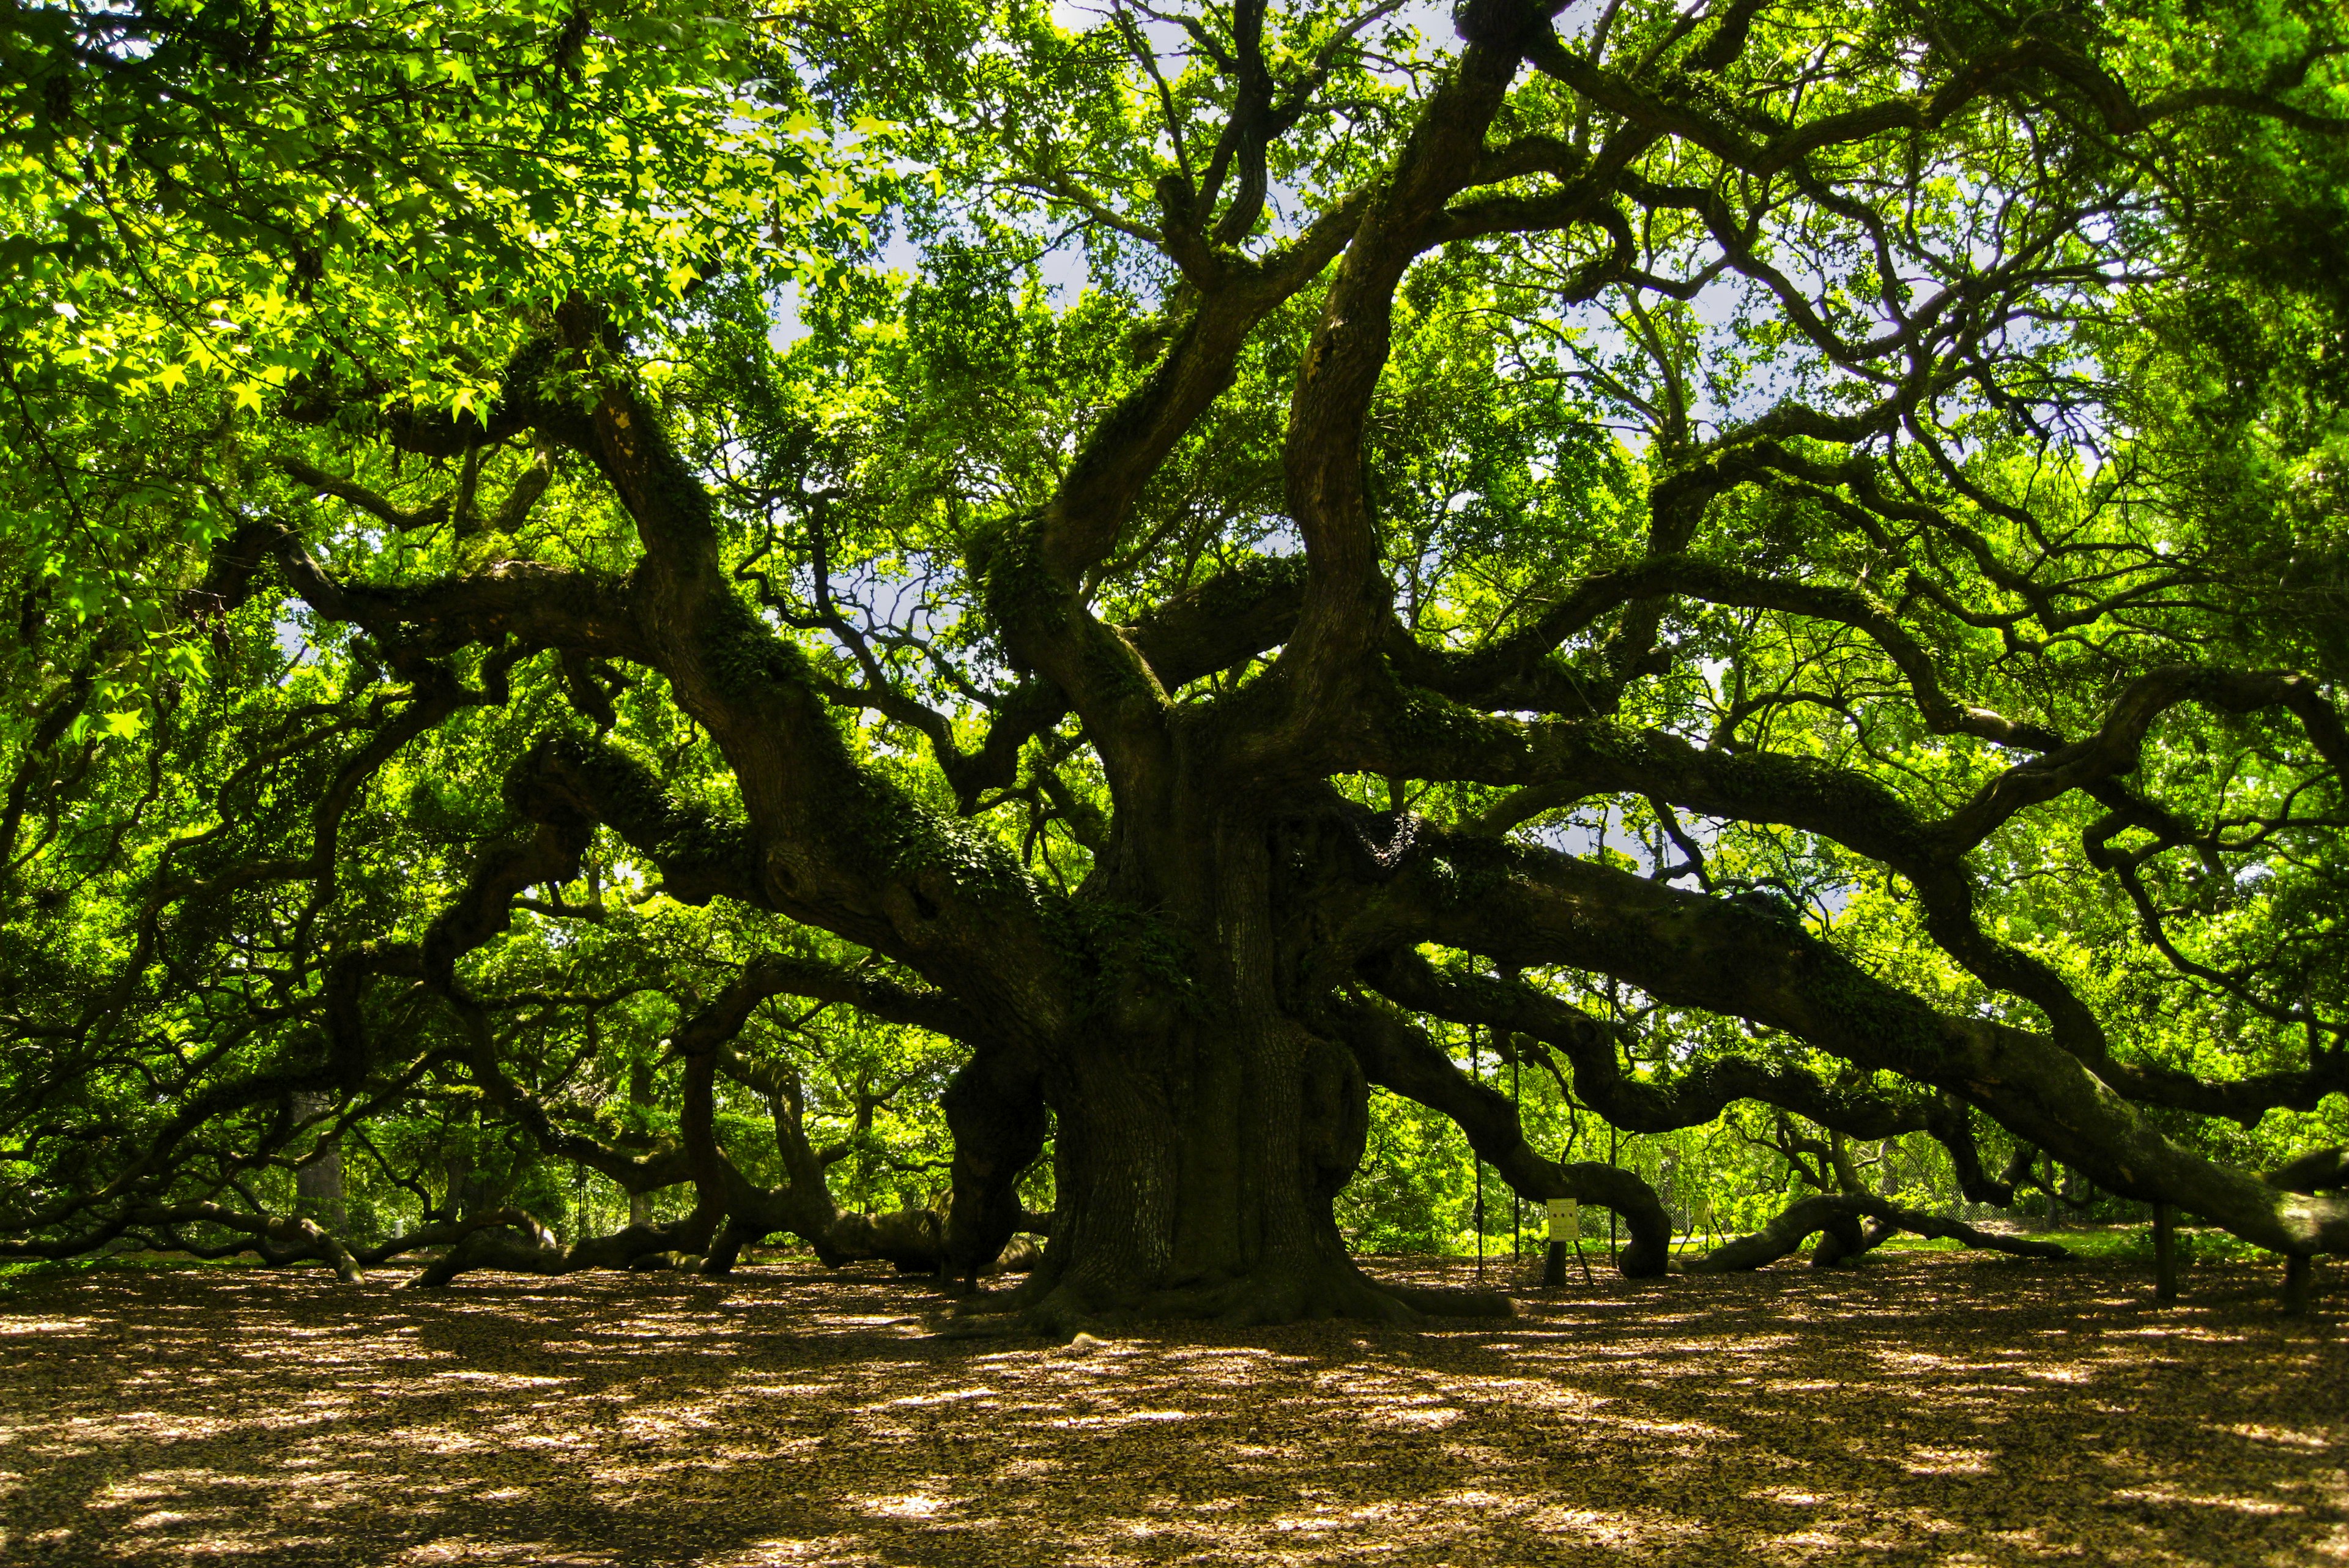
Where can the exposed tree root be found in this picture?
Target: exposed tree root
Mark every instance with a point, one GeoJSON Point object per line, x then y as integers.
{"type": "Point", "coordinates": [1838, 1216]}
{"type": "Point", "coordinates": [515, 1243]}
{"type": "Point", "coordinates": [1061, 1308]}
{"type": "Point", "coordinates": [1436, 1300]}
{"type": "Point", "coordinates": [283, 1241]}
{"type": "Point", "coordinates": [277, 1241]}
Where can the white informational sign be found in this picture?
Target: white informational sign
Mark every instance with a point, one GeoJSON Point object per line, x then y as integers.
{"type": "Point", "coordinates": [1565, 1219]}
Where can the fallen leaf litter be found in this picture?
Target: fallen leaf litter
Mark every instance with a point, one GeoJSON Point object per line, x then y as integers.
{"type": "Point", "coordinates": [1924, 1409]}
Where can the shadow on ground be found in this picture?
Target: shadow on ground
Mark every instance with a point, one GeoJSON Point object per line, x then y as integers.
{"type": "Point", "coordinates": [1926, 1409]}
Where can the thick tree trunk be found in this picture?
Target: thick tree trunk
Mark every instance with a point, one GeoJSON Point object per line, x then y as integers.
{"type": "Point", "coordinates": [1206, 1114]}
{"type": "Point", "coordinates": [318, 1185]}
{"type": "Point", "coordinates": [1197, 1164]}
{"type": "Point", "coordinates": [468, 1190]}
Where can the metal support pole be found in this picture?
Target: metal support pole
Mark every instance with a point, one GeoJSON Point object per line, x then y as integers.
{"type": "Point", "coordinates": [2165, 1253]}
{"type": "Point", "coordinates": [1474, 1077]}
{"type": "Point", "coordinates": [1611, 1213]}
{"type": "Point", "coordinates": [1516, 1198]}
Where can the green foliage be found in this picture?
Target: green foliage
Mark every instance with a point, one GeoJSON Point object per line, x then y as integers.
{"type": "Point", "coordinates": [221, 216]}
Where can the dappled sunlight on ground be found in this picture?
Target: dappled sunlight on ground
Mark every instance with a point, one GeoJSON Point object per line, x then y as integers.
{"type": "Point", "coordinates": [1930, 1408]}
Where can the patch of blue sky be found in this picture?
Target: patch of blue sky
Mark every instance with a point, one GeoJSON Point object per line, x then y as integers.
{"type": "Point", "coordinates": [1575, 835]}
{"type": "Point", "coordinates": [292, 632]}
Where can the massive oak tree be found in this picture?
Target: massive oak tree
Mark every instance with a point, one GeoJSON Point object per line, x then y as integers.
{"type": "Point", "coordinates": [1759, 553]}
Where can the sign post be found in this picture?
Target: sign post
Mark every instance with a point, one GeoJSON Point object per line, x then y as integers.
{"type": "Point", "coordinates": [1564, 1230]}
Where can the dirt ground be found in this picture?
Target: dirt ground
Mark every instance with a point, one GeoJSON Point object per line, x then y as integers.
{"type": "Point", "coordinates": [1924, 1409]}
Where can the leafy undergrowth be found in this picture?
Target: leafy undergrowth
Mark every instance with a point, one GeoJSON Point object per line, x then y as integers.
{"type": "Point", "coordinates": [1926, 1408]}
